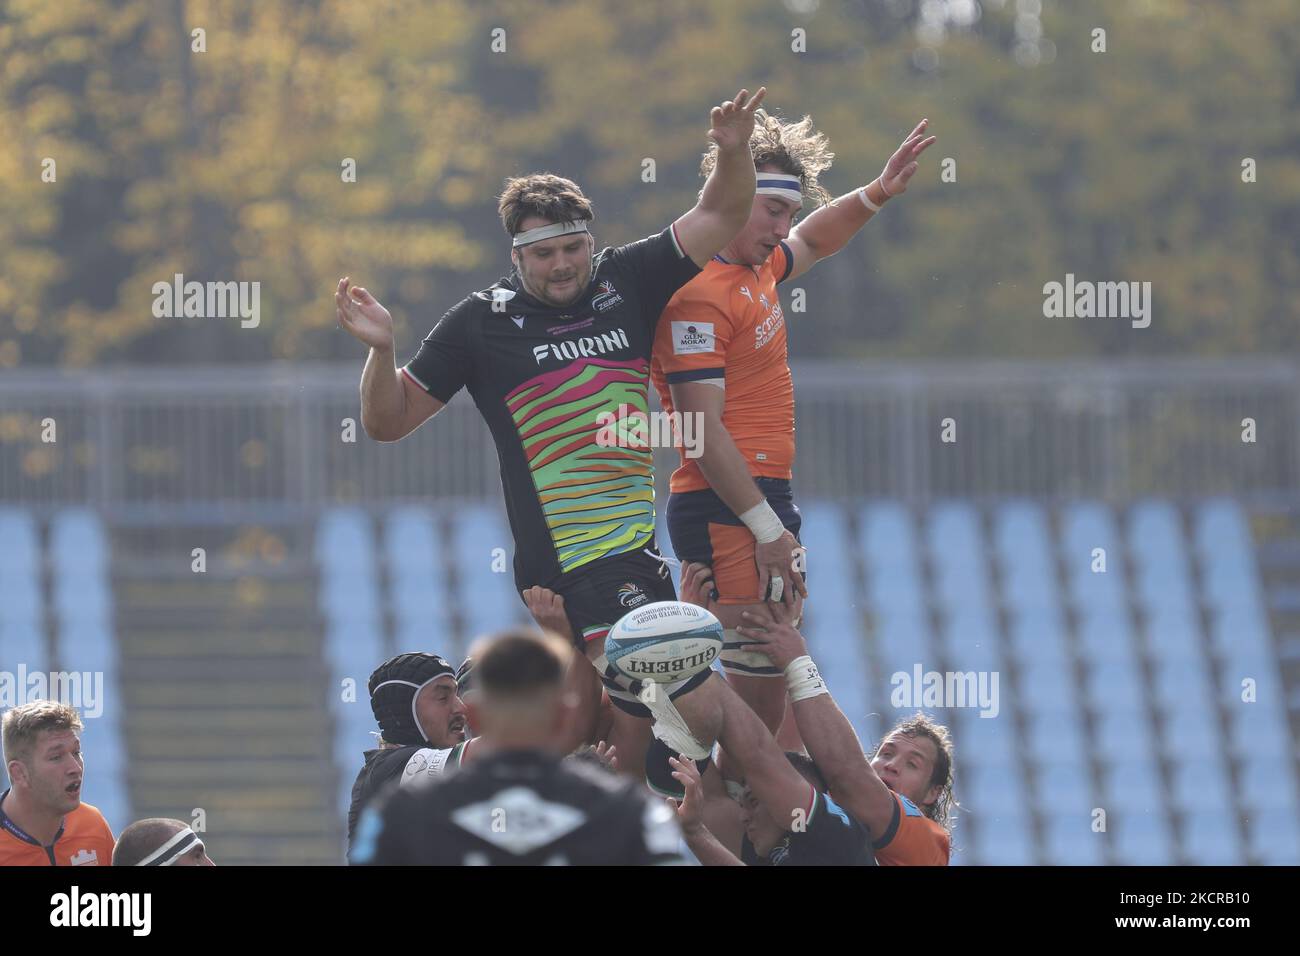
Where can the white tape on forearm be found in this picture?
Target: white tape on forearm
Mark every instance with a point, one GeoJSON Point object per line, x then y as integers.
{"type": "Point", "coordinates": [802, 679]}
{"type": "Point", "coordinates": [763, 523]}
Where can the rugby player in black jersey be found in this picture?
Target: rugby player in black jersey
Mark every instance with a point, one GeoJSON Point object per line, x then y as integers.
{"type": "Point", "coordinates": [423, 724]}
{"type": "Point", "coordinates": [519, 802]}
{"type": "Point", "coordinates": [552, 354]}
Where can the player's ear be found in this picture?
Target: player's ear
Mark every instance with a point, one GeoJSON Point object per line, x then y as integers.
{"type": "Point", "coordinates": [932, 795]}
{"type": "Point", "coordinates": [18, 772]}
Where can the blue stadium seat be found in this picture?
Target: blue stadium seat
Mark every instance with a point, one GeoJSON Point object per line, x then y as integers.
{"type": "Point", "coordinates": [986, 741]}
{"type": "Point", "coordinates": [956, 547]}
{"type": "Point", "coordinates": [412, 542]}
{"type": "Point", "coordinates": [102, 743]}
{"type": "Point", "coordinates": [1231, 582]}
{"type": "Point", "coordinates": [1025, 557]}
{"type": "Point", "coordinates": [1240, 629]}
{"type": "Point", "coordinates": [1113, 685]}
{"type": "Point", "coordinates": [1046, 686]}
{"type": "Point", "coordinates": [1172, 633]}
{"type": "Point", "coordinates": [1141, 838]}
{"type": "Point", "coordinates": [1200, 784]}
{"type": "Point", "coordinates": [23, 643]}
{"type": "Point", "coordinates": [1259, 730]}
{"type": "Point", "coordinates": [1192, 736]}
{"type": "Point", "coordinates": [1268, 784]}
{"type": "Point", "coordinates": [1105, 636]}
{"type": "Point", "coordinates": [88, 646]}
{"type": "Point", "coordinates": [1183, 685]}
{"type": "Point", "coordinates": [1066, 789]}
{"type": "Point", "coordinates": [830, 557]}
{"type": "Point", "coordinates": [970, 641]}
{"type": "Point", "coordinates": [890, 558]}
{"type": "Point", "coordinates": [1070, 840]}
{"type": "Point", "coordinates": [1038, 634]}
{"type": "Point", "coordinates": [1056, 738]}
{"type": "Point", "coordinates": [1003, 840]}
{"type": "Point", "coordinates": [82, 596]}
{"type": "Point", "coordinates": [1221, 528]}
{"type": "Point", "coordinates": [1210, 838]}
{"type": "Point", "coordinates": [1159, 555]}
{"type": "Point", "coordinates": [77, 541]}
{"type": "Point", "coordinates": [992, 789]}
{"type": "Point", "coordinates": [1086, 526]}
{"type": "Point", "coordinates": [21, 551]}
{"type": "Point", "coordinates": [1132, 787]}
{"type": "Point", "coordinates": [1274, 837]}
{"type": "Point", "coordinates": [1124, 736]}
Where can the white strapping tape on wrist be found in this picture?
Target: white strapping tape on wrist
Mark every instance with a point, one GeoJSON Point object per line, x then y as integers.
{"type": "Point", "coordinates": [763, 523]}
{"type": "Point", "coordinates": [862, 194]}
{"type": "Point", "coordinates": [803, 680]}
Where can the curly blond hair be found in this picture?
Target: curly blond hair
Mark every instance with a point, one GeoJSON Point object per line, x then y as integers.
{"type": "Point", "coordinates": [794, 148]}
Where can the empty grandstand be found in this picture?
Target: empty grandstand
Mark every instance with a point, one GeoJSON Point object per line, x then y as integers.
{"type": "Point", "coordinates": [1101, 540]}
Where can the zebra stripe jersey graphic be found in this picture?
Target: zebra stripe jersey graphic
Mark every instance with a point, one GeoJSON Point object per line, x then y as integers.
{"type": "Point", "coordinates": [549, 382]}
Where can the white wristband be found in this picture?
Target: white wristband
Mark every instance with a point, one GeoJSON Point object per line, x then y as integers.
{"type": "Point", "coordinates": [763, 523]}
{"type": "Point", "coordinates": [862, 194]}
{"type": "Point", "coordinates": [802, 679]}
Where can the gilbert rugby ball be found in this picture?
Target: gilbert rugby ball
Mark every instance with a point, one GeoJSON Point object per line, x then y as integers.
{"type": "Point", "coordinates": [664, 641]}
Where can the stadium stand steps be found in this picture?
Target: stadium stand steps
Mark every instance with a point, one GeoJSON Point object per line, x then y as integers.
{"type": "Point", "coordinates": [226, 709]}
{"type": "Point", "coordinates": [1276, 533]}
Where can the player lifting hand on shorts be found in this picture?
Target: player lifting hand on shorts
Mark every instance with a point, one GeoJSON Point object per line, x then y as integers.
{"type": "Point", "coordinates": [720, 354]}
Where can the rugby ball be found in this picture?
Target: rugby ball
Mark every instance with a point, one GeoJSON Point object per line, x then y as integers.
{"type": "Point", "coordinates": [663, 642]}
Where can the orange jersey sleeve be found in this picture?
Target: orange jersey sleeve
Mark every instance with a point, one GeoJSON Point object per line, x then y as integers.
{"type": "Point", "coordinates": [912, 839]}
{"type": "Point", "coordinates": [691, 339]}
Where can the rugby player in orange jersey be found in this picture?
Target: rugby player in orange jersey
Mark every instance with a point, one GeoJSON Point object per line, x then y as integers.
{"type": "Point", "coordinates": [43, 821]}
{"type": "Point", "coordinates": [720, 355]}
{"type": "Point", "coordinates": [903, 794]}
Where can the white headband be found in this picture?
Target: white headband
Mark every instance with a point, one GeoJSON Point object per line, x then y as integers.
{"type": "Point", "coordinates": [549, 231]}
{"type": "Point", "coordinates": [781, 185]}
{"type": "Point", "coordinates": [182, 842]}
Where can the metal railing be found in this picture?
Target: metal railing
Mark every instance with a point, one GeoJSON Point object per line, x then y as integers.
{"type": "Point", "coordinates": [212, 441]}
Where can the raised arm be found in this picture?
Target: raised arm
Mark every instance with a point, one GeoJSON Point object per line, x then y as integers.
{"type": "Point", "coordinates": [728, 195]}
{"type": "Point", "coordinates": [826, 732]}
{"type": "Point", "coordinates": [690, 814]}
{"type": "Point", "coordinates": [829, 229]}
{"type": "Point", "coordinates": [392, 406]}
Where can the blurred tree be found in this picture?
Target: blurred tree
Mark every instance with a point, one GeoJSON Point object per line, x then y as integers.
{"type": "Point", "coordinates": [226, 164]}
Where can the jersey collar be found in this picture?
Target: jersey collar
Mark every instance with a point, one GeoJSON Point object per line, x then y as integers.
{"type": "Point", "coordinates": [15, 830]}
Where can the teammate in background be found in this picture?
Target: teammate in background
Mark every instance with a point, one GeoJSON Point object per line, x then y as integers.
{"type": "Point", "coordinates": [903, 794]}
{"type": "Point", "coordinates": [720, 353]}
{"type": "Point", "coordinates": [42, 819]}
{"type": "Point", "coordinates": [520, 802]}
{"type": "Point", "coordinates": [423, 723]}
{"type": "Point", "coordinates": [548, 353]}
{"type": "Point", "coordinates": [160, 842]}
{"type": "Point", "coordinates": [821, 834]}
